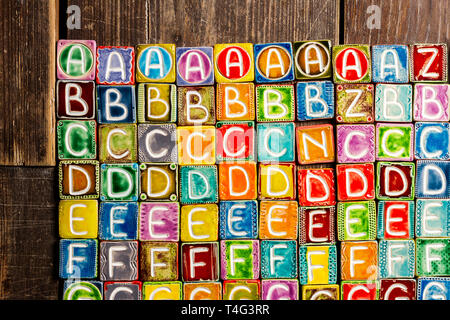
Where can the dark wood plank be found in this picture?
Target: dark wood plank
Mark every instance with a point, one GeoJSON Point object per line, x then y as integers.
{"type": "Point", "coordinates": [197, 22]}
{"type": "Point", "coordinates": [402, 21]}
{"type": "Point", "coordinates": [28, 233]}
{"type": "Point", "coordinates": [28, 33]}
{"type": "Point", "coordinates": [111, 22]}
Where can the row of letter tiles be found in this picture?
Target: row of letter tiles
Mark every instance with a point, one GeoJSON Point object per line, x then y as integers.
{"type": "Point", "coordinates": [243, 62]}
{"type": "Point", "coordinates": [424, 288]}
{"type": "Point", "coordinates": [200, 184]}
{"type": "Point", "coordinates": [301, 101]}
{"type": "Point", "coordinates": [246, 142]}
{"type": "Point", "coordinates": [240, 220]}
{"type": "Point", "coordinates": [253, 259]}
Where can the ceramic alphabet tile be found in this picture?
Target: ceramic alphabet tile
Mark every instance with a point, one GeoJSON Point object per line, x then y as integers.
{"type": "Point", "coordinates": [195, 66]}
{"type": "Point", "coordinates": [115, 65]}
{"type": "Point", "coordinates": [284, 289]}
{"type": "Point", "coordinates": [318, 264]}
{"type": "Point", "coordinates": [156, 102]}
{"type": "Point", "coordinates": [390, 63]}
{"type": "Point", "coordinates": [155, 63]}
{"type": "Point", "coordinates": [393, 102]}
{"type": "Point", "coordinates": [352, 63]}
{"type": "Point", "coordinates": [76, 59]}
{"type": "Point", "coordinates": [431, 102]}
{"type": "Point", "coordinates": [433, 288]}
{"type": "Point", "coordinates": [354, 103]}
{"type": "Point", "coordinates": [82, 290]}
{"type": "Point", "coordinates": [234, 62]}
{"type": "Point", "coordinates": [273, 62]}
{"type": "Point", "coordinates": [75, 99]}
{"type": "Point", "coordinates": [312, 59]}
{"type": "Point", "coordinates": [315, 100]}
{"type": "Point", "coordinates": [429, 62]}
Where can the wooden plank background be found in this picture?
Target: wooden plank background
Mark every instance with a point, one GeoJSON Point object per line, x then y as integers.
{"type": "Point", "coordinates": [29, 30]}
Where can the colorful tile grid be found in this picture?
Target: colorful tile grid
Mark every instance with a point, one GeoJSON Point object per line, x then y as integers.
{"type": "Point", "coordinates": [267, 171]}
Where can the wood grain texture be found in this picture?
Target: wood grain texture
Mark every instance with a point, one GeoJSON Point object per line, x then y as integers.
{"type": "Point", "coordinates": [200, 22]}
{"type": "Point", "coordinates": [28, 34]}
{"type": "Point", "coordinates": [28, 233]}
{"type": "Point", "coordinates": [111, 22]}
{"type": "Point", "coordinates": [402, 21]}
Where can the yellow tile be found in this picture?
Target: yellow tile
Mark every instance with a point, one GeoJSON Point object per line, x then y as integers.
{"type": "Point", "coordinates": [170, 290]}
{"type": "Point", "coordinates": [277, 181]}
{"type": "Point", "coordinates": [196, 145]}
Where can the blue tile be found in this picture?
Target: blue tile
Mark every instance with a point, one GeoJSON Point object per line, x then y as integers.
{"type": "Point", "coordinates": [278, 49]}
{"type": "Point", "coordinates": [433, 288]}
{"type": "Point", "coordinates": [278, 259]}
{"type": "Point", "coordinates": [396, 258]}
{"type": "Point", "coordinates": [116, 104]}
{"type": "Point", "coordinates": [393, 102]}
{"type": "Point", "coordinates": [432, 218]}
{"type": "Point", "coordinates": [115, 65]}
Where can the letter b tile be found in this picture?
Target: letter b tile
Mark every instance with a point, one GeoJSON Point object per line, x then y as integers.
{"type": "Point", "coordinates": [275, 103]}
{"type": "Point", "coordinates": [116, 104]}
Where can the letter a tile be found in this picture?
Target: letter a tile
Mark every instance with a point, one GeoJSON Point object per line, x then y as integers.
{"type": "Point", "coordinates": [115, 65]}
